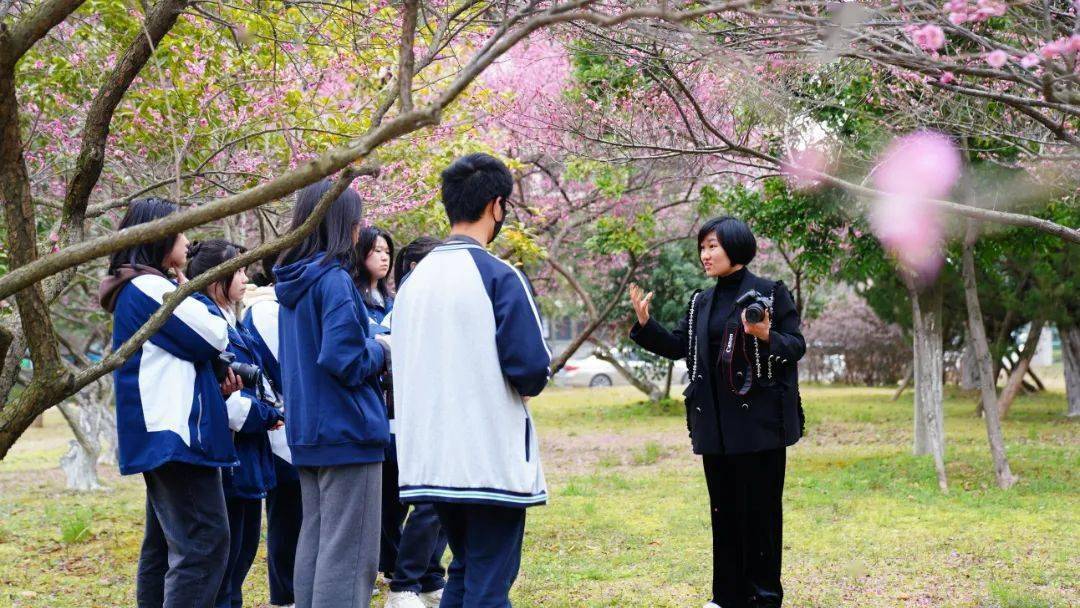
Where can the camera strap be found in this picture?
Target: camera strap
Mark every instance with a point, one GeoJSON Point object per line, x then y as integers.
{"type": "Point", "coordinates": [733, 338]}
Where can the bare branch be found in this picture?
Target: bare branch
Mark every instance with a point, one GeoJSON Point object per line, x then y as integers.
{"type": "Point", "coordinates": [406, 59]}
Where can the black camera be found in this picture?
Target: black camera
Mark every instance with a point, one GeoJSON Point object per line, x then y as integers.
{"type": "Point", "coordinates": [249, 373]}
{"type": "Point", "coordinates": [755, 304]}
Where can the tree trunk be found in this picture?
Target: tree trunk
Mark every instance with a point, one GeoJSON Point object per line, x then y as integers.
{"type": "Point", "coordinates": [1070, 356]}
{"type": "Point", "coordinates": [94, 427]}
{"type": "Point", "coordinates": [655, 394]}
{"type": "Point", "coordinates": [1002, 472]}
{"type": "Point", "coordinates": [969, 369]}
{"type": "Point", "coordinates": [903, 385]}
{"type": "Point", "coordinates": [928, 366]}
{"type": "Point", "coordinates": [1016, 376]}
{"type": "Point", "coordinates": [667, 382]}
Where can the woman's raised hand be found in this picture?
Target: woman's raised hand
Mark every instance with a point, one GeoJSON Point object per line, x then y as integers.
{"type": "Point", "coordinates": [640, 300]}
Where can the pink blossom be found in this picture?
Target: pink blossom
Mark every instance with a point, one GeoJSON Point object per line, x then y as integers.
{"type": "Point", "coordinates": [925, 164]}
{"type": "Point", "coordinates": [1030, 60]}
{"type": "Point", "coordinates": [804, 167]}
{"type": "Point", "coordinates": [914, 169]}
{"type": "Point", "coordinates": [947, 78]}
{"type": "Point", "coordinates": [997, 58]}
{"type": "Point", "coordinates": [1054, 49]}
{"type": "Point", "coordinates": [928, 37]}
{"type": "Point", "coordinates": [53, 237]}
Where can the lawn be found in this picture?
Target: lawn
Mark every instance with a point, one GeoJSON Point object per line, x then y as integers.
{"type": "Point", "coordinates": [627, 522]}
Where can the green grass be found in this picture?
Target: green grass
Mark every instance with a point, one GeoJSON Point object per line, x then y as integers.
{"type": "Point", "coordinates": [627, 524]}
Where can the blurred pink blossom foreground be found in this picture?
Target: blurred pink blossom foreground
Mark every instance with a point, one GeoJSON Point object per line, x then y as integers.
{"type": "Point", "coordinates": [912, 170]}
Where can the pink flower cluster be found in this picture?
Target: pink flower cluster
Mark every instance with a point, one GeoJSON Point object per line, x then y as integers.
{"type": "Point", "coordinates": [928, 37]}
{"type": "Point", "coordinates": [913, 170]}
{"type": "Point", "coordinates": [1062, 47]}
{"type": "Point", "coordinates": [963, 11]}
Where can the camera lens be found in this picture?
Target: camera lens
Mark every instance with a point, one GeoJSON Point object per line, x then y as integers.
{"type": "Point", "coordinates": [755, 313]}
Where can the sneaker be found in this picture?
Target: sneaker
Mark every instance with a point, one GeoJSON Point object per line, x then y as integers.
{"type": "Point", "coordinates": [404, 599]}
{"type": "Point", "coordinates": [431, 599]}
{"type": "Point", "coordinates": [712, 605]}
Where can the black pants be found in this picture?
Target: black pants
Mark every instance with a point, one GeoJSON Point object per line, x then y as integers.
{"type": "Point", "coordinates": [745, 494]}
{"type": "Point", "coordinates": [186, 543]}
{"type": "Point", "coordinates": [284, 512]}
{"type": "Point", "coordinates": [486, 542]}
{"type": "Point", "coordinates": [412, 543]}
{"type": "Point", "coordinates": [245, 530]}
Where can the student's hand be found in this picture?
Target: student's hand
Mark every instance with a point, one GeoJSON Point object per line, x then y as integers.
{"type": "Point", "coordinates": [640, 300]}
{"type": "Point", "coordinates": [759, 330]}
{"type": "Point", "coordinates": [231, 384]}
{"type": "Point", "coordinates": [181, 278]}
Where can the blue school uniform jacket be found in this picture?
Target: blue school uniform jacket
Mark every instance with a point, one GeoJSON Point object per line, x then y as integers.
{"type": "Point", "coordinates": [261, 323]}
{"type": "Point", "coordinates": [377, 316]}
{"type": "Point", "coordinates": [330, 367]}
{"type": "Point", "coordinates": [249, 419]}
{"type": "Point", "coordinates": [468, 346]}
{"type": "Point", "coordinates": [169, 406]}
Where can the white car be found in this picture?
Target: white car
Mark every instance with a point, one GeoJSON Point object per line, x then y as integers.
{"type": "Point", "coordinates": [594, 372]}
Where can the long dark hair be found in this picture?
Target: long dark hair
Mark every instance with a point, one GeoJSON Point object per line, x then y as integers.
{"type": "Point", "coordinates": [369, 237]}
{"type": "Point", "coordinates": [333, 237]}
{"type": "Point", "coordinates": [204, 255]}
{"type": "Point", "coordinates": [150, 254]}
{"type": "Point", "coordinates": [412, 254]}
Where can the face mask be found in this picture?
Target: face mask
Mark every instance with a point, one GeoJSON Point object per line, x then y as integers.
{"type": "Point", "coordinates": [499, 224]}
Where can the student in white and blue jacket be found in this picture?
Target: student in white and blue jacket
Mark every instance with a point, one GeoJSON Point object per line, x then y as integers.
{"type": "Point", "coordinates": [469, 350]}
{"type": "Point", "coordinates": [283, 507]}
{"type": "Point", "coordinates": [171, 420]}
{"type": "Point", "coordinates": [337, 430]}
{"type": "Point", "coordinates": [251, 415]}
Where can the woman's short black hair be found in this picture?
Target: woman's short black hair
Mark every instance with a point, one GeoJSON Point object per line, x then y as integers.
{"type": "Point", "coordinates": [369, 236]}
{"type": "Point", "coordinates": [412, 254]}
{"type": "Point", "coordinates": [470, 183]}
{"type": "Point", "coordinates": [735, 237]}
{"type": "Point", "coordinates": [150, 254]}
{"type": "Point", "coordinates": [265, 274]}
{"type": "Point", "coordinates": [204, 255]}
{"type": "Point", "coordinates": [333, 237]}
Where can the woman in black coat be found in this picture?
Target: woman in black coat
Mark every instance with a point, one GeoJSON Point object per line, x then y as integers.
{"type": "Point", "coordinates": [742, 406]}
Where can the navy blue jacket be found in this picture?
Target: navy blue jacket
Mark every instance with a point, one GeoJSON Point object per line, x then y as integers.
{"type": "Point", "coordinates": [169, 406]}
{"type": "Point", "coordinates": [249, 418]}
{"type": "Point", "coordinates": [330, 367]}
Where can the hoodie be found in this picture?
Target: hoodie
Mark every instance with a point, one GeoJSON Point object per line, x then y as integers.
{"type": "Point", "coordinates": [169, 406]}
{"type": "Point", "coordinates": [330, 367]}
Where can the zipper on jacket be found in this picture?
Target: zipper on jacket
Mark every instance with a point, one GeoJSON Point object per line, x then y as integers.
{"type": "Point", "coordinates": [198, 422]}
{"type": "Point", "coordinates": [527, 432]}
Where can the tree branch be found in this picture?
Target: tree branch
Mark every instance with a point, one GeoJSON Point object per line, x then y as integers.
{"type": "Point", "coordinates": [154, 323]}
{"type": "Point", "coordinates": [406, 58]}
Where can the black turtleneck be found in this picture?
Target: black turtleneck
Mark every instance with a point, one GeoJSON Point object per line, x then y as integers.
{"type": "Point", "coordinates": [722, 305]}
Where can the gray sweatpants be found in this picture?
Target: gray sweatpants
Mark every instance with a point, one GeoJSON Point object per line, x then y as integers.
{"type": "Point", "coordinates": [337, 555]}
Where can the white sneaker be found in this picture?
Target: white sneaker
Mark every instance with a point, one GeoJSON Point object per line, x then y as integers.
{"type": "Point", "coordinates": [712, 605]}
{"type": "Point", "coordinates": [431, 599]}
{"type": "Point", "coordinates": [404, 599]}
